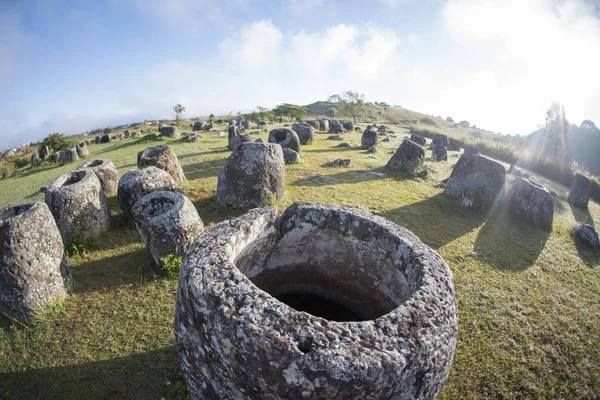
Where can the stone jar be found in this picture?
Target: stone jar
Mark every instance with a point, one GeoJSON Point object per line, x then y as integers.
{"type": "Point", "coordinates": [305, 132]}
{"type": "Point", "coordinates": [78, 203]}
{"type": "Point", "coordinates": [137, 183]}
{"type": "Point", "coordinates": [253, 176]}
{"type": "Point", "coordinates": [105, 171]}
{"type": "Point", "coordinates": [285, 138]}
{"type": "Point", "coordinates": [325, 302]}
{"type": "Point", "coordinates": [532, 203]}
{"type": "Point", "coordinates": [476, 182]}
{"type": "Point", "coordinates": [162, 157]}
{"type": "Point", "coordinates": [579, 193]}
{"type": "Point", "coordinates": [33, 270]}
{"type": "Point", "coordinates": [409, 156]}
{"type": "Point", "coordinates": [167, 222]}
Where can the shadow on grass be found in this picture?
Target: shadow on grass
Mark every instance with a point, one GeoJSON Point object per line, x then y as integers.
{"type": "Point", "coordinates": [211, 212]}
{"type": "Point", "coordinates": [582, 215]}
{"type": "Point", "coordinates": [111, 272]}
{"type": "Point", "coordinates": [204, 169]}
{"type": "Point", "coordinates": [349, 176]}
{"type": "Point", "coordinates": [589, 256]}
{"type": "Point", "coordinates": [120, 145]}
{"type": "Point", "coordinates": [435, 220]}
{"type": "Point", "coordinates": [151, 375]}
{"type": "Point", "coordinates": [201, 153]}
{"type": "Point", "coordinates": [508, 244]}
{"type": "Point", "coordinates": [34, 170]}
{"type": "Point", "coordinates": [330, 149]}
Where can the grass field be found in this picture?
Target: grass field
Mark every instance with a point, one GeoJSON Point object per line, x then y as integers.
{"type": "Point", "coordinates": [529, 319]}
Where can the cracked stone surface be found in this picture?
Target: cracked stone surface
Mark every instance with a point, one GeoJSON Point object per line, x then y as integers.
{"type": "Point", "coordinates": [476, 182]}
{"type": "Point", "coordinates": [167, 223]}
{"type": "Point", "coordinates": [33, 269]}
{"type": "Point", "coordinates": [253, 176]}
{"type": "Point", "coordinates": [531, 202]}
{"type": "Point", "coordinates": [163, 157]}
{"type": "Point", "coordinates": [105, 170]}
{"type": "Point", "coordinates": [392, 325]}
{"type": "Point", "coordinates": [137, 183]}
{"type": "Point", "coordinates": [78, 204]}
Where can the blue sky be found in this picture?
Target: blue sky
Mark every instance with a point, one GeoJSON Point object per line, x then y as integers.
{"type": "Point", "coordinates": [72, 66]}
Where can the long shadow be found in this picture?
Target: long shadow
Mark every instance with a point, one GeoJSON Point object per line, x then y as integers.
{"type": "Point", "coordinates": [37, 169]}
{"type": "Point", "coordinates": [118, 146]}
{"type": "Point", "coordinates": [508, 244]}
{"type": "Point", "coordinates": [201, 153]}
{"type": "Point", "coordinates": [582, 215]}
{"type": "Point", "coordinates": [204, 169]}
{"type": "Point", "coordinates": [349, 176]}
{"type": "Point", "coordinates": [589, 256]}
{"type": "Point", "coordinates": [151, 375]}
{"type": "Point", "coordinates": [135, 267]}
{"type": "Point", "coordinates": [330, 149]}
{"type": "Point", "coordinates": [436, 221]}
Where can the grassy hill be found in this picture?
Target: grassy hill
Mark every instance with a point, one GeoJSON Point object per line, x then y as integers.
{"type": "Point", "coordinates": [528, 300]}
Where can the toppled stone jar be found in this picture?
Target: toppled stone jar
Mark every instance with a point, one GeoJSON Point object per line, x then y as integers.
{"type": "Point", "coordinates": [167, 222]}
{"type": "Point", "coordinates": [323, 302]}
{"type": "Point", "coordinates": [33, 270]}
{"type": "Point", "coordinates": [78, 204]}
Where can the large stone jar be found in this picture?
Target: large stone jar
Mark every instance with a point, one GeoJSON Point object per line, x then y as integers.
{"type": "Point", "coordinates": [135, 184]}
{"type": "Point", "coordinates": [32, 267]}
{"type": "Point", "coordinates": [78, 204]}
{"type": "Point", "coordinates": [105, 171]}
{"type": "Point", "coordinates": [326, 302]}
{"type": "Point", "coordinates": [253, 176]}
{"type": "Point", "coordinates": [167, 222]}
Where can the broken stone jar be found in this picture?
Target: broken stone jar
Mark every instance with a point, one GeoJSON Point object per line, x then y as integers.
{"type": "Point", "coordinates": [321, 302]}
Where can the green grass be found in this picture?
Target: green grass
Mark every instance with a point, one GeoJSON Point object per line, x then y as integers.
{"type": "Point", "coordinates": [529, 323]}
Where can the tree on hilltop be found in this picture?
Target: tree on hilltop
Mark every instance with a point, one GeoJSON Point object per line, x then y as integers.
{"type": "Point", "coordinates": [349, 103]}
{"type": "Point", "coordinates": [177, 111]}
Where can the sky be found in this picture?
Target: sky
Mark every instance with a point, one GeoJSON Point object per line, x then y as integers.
{"type": "Point", "coordinates": [72, 66]}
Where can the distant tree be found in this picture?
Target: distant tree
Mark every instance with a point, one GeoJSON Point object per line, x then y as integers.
{"type": "Point", "coordinates": [264, 114]}
{"type": "Point", "coordinates": [211, 116]}
{"type": "Point", "coordinates": [464, 124]}
{"type": "Point", "coordinates": [427, 121]}
{"type": "Point", "coordinates": [107, 130]}
{"type": "Point", "coordinates": [238, 113]}
{"type": "Point", "coordinates": [177, 111]}
{"type": "Point", "coordinates": [556, 131]}
{"type": "Point", "coordinates": [332, 112]}
{"type": "Point", "coordinates": [290, 111]}
{"type": "Point", "coordinates": [57, 141]}
{"type": "Point", "coordinates": [449, 119]}
{"type": "Point", "coordinates": [589, 125]}
{"type": "Point", "coordinates": [350, 103]}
